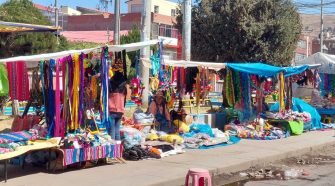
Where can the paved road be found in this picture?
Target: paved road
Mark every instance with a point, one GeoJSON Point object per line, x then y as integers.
{"type": "Point", "coordinates": [171, 171]}
{"type": "Point", "coordinates": [320, 176]}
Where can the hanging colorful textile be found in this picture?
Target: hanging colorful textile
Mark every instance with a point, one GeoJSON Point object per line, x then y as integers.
{"type": "Point", "coordinates": [105, 83]}
{"type": "Point", "coordinates": [66, 115]}
{"type": "Point", "coordinates": [57, 101]}
{"type": "Point", "coordinates": [156, 63]}
{"type": "Point", "coordinates": [281, 92]}
{"type": "Point", "coordinates": [81, 89]}
{"type": "Point", "coordinates": [18, 81]}
{"type": "Point", "coordinates": [229, 88]}
{"type": "Point", "coordinates": [236, 85]}
{"type": "Point", "coordinates": [137, 89]}
{"type": "Point", "coordinates": [75, 94]}
{"type": "Point", "coordinates": [4, 84]}
{"type": "Point", "coordinates": [246, 94]}
{"type": "Point", "coordinates": [50, 96]}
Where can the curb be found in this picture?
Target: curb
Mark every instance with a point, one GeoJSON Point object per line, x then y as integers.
{"type": "Point", "coordinates": [246, 165]}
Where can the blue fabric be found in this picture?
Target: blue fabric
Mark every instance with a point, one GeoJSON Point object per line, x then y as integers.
{"type": "Point", "coordinates": [259, 69]}
{"type": "Point", "coordinates": [290, 71]}
{"type": "Point", "coordinates": [326, 111]}
{"type": "Point", "coordinates": [301, 106]}
{"type": "Point", "coordinates": [233, 140]}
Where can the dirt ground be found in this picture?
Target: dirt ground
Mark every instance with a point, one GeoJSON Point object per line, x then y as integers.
{"type": "Point", "coordinates": [316, 169]}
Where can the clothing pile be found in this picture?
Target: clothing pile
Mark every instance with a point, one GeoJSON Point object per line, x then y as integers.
{"type": "Point", "coordinates": [253, 130]}
{"type": "Point", "coordinates": [203, 135]}
{"type": "Point", "coordinates": [10, 141]}
{"type": "Point", "coordinates": [292, 116]}
{"type": "Point", "coordinates": [85, 140]}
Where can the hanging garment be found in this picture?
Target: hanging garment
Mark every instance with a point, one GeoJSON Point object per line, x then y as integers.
{"type": "Point", "coordinates": [18, 81]}
{"type": "Point", "coordinates": [75, 94]}
{"type": "Point", "coordinates": [4, 84]}
{"type": "Point", "coordinates": [50, 96]}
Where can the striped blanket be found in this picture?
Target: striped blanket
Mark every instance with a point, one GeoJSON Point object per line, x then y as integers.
{"type": "Point", "coordinates": [16, 137]}
{"type": "Point", "coordinates": [71, 156]}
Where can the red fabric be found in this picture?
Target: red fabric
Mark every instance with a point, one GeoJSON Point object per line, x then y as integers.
{"type": "Point", "coordinates": [25, 123]}
{"type": "Point", "coordinates": [18, 81]}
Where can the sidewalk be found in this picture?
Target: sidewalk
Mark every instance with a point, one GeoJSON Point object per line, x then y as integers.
{"type": "Point", "coordinates": [172, 170]}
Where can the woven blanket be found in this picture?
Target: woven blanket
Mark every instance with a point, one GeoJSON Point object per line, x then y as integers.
{"type": "Point", "coordinates": [16, 137]}
{"type": "Point", "coordinates": [71, 156]}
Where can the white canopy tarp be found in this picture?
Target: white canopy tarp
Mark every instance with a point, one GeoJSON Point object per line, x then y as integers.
{"type": "Point", "coordinates": [112, 48]}
{"type": "Point", "coordinates": [327, 62]}
{"type": "Point", "coordinates": [185, 64]}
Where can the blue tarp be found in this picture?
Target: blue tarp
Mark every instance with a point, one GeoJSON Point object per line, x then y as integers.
{"type": "Point", "coordinates": [301, 106]}
{"type": "Point", "coordinates": [290, 71]}
{"type": "Point", "coordinates": [259, 69]}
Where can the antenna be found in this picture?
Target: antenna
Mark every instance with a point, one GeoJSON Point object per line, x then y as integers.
{"type": "Point", "coordinates": [103, 5]}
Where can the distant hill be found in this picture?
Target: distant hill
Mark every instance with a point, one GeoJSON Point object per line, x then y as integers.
{"type": "Point", "coordinates": [311, 24]}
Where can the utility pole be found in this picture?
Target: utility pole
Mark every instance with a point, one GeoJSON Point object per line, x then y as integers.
{"type": "Point", "coordinates": [56, 20]}
{"type": "Point", "coordinates": [117, 22]}
{"type": "Point", "coordinates": [187, 14]}
{"type": "Point", "coordinates": [321, 29]}
{"type": "Point", "coordinates": [145, 52]}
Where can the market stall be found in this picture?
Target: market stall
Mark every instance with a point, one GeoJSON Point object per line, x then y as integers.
{"type": "Point", "coordinates": [72, 88]}
{"type": "Point", "coordinates": [325, 82]}
{"type": "Point", "coordinates": [241, 79]}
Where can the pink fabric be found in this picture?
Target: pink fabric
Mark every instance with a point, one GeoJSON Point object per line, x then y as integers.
{"type": "Point", "coordinates": [57, 101]}
{"type": "Point", "coordinates": [116, 102]}
{"type": "Point", "coordinates": [18, 81]}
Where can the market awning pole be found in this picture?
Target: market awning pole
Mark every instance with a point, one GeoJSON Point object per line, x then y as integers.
{"type": "Point", "coordinates": [145, 52]}
{"type": "Point", "coordinates": [281, 93]}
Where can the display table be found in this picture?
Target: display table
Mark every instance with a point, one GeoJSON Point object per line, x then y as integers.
{"type": "Point", "coordinates": [35, 146]}
{"type": "Point", "coordinates": [71, 156]}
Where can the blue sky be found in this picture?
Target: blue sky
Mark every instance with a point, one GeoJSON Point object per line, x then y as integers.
{"type": "Point", "coordinates": [93, 3]}
{"type": "Point", "coordinates": [84, 3]}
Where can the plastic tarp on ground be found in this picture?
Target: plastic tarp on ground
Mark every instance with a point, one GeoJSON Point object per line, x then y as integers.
{"type": "Point", "coordinates": [259, 69]}
{"type": "Point", "coordinates": [301, 106]}
{"type": "Point", "coordinates": [327, 62]}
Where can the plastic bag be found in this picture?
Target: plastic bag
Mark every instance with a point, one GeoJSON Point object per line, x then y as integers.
{"type": "Point", "coordinates": [130, 137]}
{"type": "Point", "coordinates": [142, 118]}
{"type": "Point", "coordinates": [182, 126]}
{"type": "Point", "coordinates": [4, 84]}
{"type": "Point", "coordinates": [171, 138]}
{"type": "Point", "coordinates": [202, 128]}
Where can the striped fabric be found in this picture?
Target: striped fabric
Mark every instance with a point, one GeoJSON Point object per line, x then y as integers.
{"type": "Point", "coordinates": [71, 156]}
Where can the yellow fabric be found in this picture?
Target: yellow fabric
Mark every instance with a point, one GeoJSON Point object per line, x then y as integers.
{"type": "Point", "coordinates": [154, 83]}
{"type": "Point", "coordinates": [182, 126]}
{"type": "Point", "coordinates": [281, 92]}
{"type": "Point", "coordinates": [33, 145]}
{"type": "Point", "coordinates": [94, 87]}
{"type": "Point", "coordinates": [171, 137]}
{"type": "Point", "coordinates": [75, 99]}
{"type": "Point", "coordinates": [152, 137]}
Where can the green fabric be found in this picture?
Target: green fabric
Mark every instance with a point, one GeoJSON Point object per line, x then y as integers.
{"type": "Point", "coordinates": [4, 85]}
{"type": "Point", "coordinates": [297, 127]}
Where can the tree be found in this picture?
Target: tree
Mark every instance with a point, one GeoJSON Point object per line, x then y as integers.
{"type": "Point", "coordinates": [244, 31]}
{"type": "Point", "coordinates": [13, 44]}
{"type": "Point", "coordinates": [134, 35]}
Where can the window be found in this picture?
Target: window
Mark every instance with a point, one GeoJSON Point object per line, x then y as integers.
{"type": "Point", "coordinates": [302, 44]}
{"type": "Point", "coordinates": [173, 12]}
{"type": "Point", "coordinates": [168, 31]}
{"type": "Point", "coordinates": [156, 9]}
{"type": "Point", "coordinates": [136, 8]}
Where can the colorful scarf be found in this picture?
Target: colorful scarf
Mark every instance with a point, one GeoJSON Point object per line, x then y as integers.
{"type": "Point", "coordinates": [18, 81]}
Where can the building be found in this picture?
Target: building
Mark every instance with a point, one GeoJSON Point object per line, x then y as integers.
{"type": "Point", "coordinates": [162, 7]}
{"type": "Point", "coordinates": [64, 12]}
{"type": "Point", "coordinates": [304, 48]}
{"type": "Point", "coordinates": [328, 46]}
